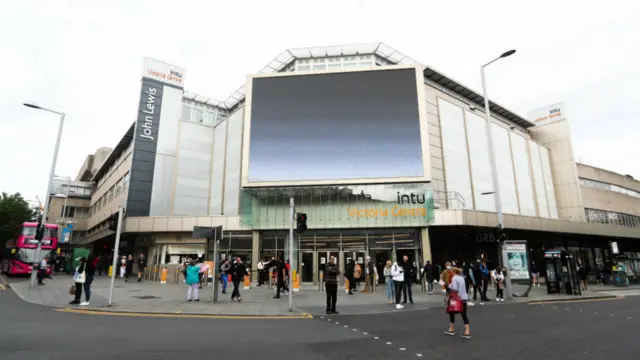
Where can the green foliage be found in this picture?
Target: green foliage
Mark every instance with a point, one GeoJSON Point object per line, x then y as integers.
{"type": "Point", "coordinates": [14, 210]}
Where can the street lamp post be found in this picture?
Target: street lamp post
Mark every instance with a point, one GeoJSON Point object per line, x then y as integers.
{"type": "Point", "coordinates": [43, 218]}
{"type": "Point", "coordinates": [494, 168]}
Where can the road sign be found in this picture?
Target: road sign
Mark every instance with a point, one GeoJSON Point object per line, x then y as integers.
{"type": "Point", "coordinates": [205, 231]}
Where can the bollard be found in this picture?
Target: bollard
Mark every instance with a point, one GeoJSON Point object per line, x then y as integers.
{"type": "Point", "coordinates": [321, 281]}
{"type": "Point", "coordinates": [247, 282]}
{"type": "Point", "coordinates": [423, 284]}
{"type": "Point", "coordinates": [163, 276]}
{"type": "Point", "coordinates": [155, 273]}
{"type": "Point", "coordinates": [375, 282]}
{"type": "Point", "coordinates": [296, 281]}
{"type": "Point", "coordinates": [346, 285]}
{"type": "Point", "coordinates": [110, 270]}
{"type": "Point", "coordinates": [269, 280]}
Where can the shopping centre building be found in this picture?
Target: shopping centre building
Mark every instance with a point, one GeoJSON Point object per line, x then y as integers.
{"type": "Point", "coordinates": [386, 156]}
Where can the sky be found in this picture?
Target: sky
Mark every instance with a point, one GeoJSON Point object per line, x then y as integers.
{"type": "Point", "coordinates": [85, 58]}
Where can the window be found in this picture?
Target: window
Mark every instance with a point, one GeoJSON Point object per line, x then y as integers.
{"type": "Point", "coordinates": [609, 187]}
{"type": "Point", "coordinates": [186, 112]}
{"type": "Point", "coordinates": [68, 212]}
{"type": "Point", "coordinates": [454, 148]}
{"type": "Point", "coordinates": [118, 187]}
{"type": "Point", "coordinates": [198, 115]}
{"type": "Point", "coordinates": [125, 182]}
{"type": "Point", "coordinates": [613, 218]}
{"type": "Point", "coordinates": [111, 191]}
{"type": "Point", "coordinates": [209, 117]}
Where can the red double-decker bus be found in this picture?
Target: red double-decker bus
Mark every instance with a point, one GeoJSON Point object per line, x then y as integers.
{"type": "Point", "coordinates": [20, 254]}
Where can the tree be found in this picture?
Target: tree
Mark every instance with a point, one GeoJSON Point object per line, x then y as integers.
{"type": "Point", "coordinates": [14, 210]}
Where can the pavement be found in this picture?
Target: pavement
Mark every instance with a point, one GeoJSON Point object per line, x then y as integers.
{"type": "Point", "coordinates": [574, 329]}
{"type": "Point", "coordinates": [153, 297]}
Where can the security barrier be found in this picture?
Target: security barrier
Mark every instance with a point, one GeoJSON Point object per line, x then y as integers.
{"type": "Point", "coordinates": [346, 286]}
{"type": "Point", "coordinates": [296, 281]}
{"type": "Point", "coordinates": [247, 282]}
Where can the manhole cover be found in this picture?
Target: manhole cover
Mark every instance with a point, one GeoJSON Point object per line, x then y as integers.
{"type": "Point", "coordinates": [146, 297]}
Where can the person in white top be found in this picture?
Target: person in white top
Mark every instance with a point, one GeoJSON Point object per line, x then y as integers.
{"type": "Point", "coordinates": [261, 272]}
{"type": "Point", "coordinates": [498, 279]}
{"type": "Point", "coordinates": [397, 273]}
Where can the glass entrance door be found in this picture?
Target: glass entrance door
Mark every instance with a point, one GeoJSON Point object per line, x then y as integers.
{"type": "Point", "coordinates": [306, 271]}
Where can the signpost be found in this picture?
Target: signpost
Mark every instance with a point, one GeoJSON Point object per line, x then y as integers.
{"type": "Point", "coordinates": [211, 234]}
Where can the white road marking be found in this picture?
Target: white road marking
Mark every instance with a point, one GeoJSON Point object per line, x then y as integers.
{"type": "Point", "coordinates": [402, 349]}
{"type": "Point", "coordinates": [364, 333]}
{"type": "Point", "coordinates": [419, 355]}
{"type": "Point", "coordinates": [388, 342]}
{"type": "Point", "coordinates": [376, 338]}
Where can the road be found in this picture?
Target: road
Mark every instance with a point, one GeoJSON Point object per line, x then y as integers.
{"type": "Point", "coordinates": [578, 330]}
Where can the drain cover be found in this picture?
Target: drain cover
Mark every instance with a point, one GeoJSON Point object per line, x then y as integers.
{"type": "Point", "coordinates": [146, 297]}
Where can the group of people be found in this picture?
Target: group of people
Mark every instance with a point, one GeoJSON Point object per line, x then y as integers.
{"type": "Point", "coordinates": [196, 273]}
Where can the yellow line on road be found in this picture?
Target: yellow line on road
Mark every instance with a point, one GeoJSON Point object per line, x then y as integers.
{"type": "Point", "coordinates": [2, 287]}
{"type": "Point", "coordinates": [186, 316]}
{"type": "Point", "coordinates": [574, 301]}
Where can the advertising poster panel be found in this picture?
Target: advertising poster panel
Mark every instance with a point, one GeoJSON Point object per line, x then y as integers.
{"type": "Point", "coordinates": [517, 261]}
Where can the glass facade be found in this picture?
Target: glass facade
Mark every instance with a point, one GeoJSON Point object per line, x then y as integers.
{"type": "Point", "coordinates": [480, 162]}
{"type": "Point", "coordinates": [194, 169]}
{"type": "Point", "coordinates": [217, 175]}
{"type": "Point", "coordinates": [454, 147]}
{"type": "Point", "coordinates": [548, 183]}
{"type": "Point", "coordinates": [339, 207]}
{"type": "Point", "coordinates": [523, 175]}
{"type": "Point", "coordinates": [504, 165]}
{"type": "Point", "coordinates": [538, 180]}
{"type": "Point", "coordinates": [233, 162]}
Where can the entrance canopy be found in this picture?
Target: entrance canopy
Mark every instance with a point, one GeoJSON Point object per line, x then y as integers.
{"type": "Point", "coordinates": [339, 207]}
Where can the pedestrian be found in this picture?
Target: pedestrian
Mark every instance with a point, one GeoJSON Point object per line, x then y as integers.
{"type": "Point", "coordinates": [357, 275]}
{"type": "Point", "coordinates": [458, 288]}
{"type": "Point", "coordinates": [123, 266]}
{"type": "Point", "coordinates": [281, 275]}
{"type": "Point", "coordinates": [331, 273]}
{"type": "Point", "coordinates": [397, 273]}
{"type": "Point", "coordinates": [484, 278]}
{"type": "Point", "coordinates": [42, 270]}
{"type": "Point", "coordinates": [224, 277]}
{"type": "Point", "coordinates": [192, 281]}
{"type": "Point", "coordinates": [261, 269]}
{"type": "Point", "coordinates": [369, 277]}
{"type": "Point", "coordinates": [498, 280]}
{"type": "Point", "coordinates": [388, 279]}
{"type": "Point", "coordinates": [90, 271]}
{"type": "Point", "coordinates": [238, 272]}
{"type": "Point", "coordinates": [446, 276]}
{"type": "Point", "coordinates": [79, 278]}
{"type": "Point", "coordinates": [409, 274]}
{"type": "Point", "coordinates": [142, 264]}
{"type": "Point", "coordinates": [429, 274]}
{"type": "Point", "coordinates": [469, 280]}
{"type": "Point", "coordinates": [128, 267]}
{"type": "Point", "coordinates": [350, 275]}
{"type": "Point", "coordinates": [582, 275]}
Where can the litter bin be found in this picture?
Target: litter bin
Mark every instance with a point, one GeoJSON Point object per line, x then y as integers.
{"type": "Point", "coordinates": [620, 279]}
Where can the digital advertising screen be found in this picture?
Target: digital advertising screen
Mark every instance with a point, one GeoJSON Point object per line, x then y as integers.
{"type": "Point", "coordinates": [353, 126]}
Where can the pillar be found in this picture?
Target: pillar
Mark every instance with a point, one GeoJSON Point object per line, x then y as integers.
{"type": "Point", "coordinates": [255, 254]}
{"type": "Point", "coordinates": [426, 245]}
{"type": "Point", "coordinates": [163, 255]}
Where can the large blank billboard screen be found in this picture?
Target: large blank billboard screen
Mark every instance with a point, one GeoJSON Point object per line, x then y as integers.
{"type": "Point", "coordinates": [348, 126]}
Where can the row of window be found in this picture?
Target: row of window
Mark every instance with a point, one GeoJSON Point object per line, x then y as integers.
{"type": "Point", "coordinates": [609, 187]}
{"type": "Point", "coordinates": [114, 191]}
{"type": "Point", "coordinates": [74, 212]}
{"type": "Point", "coordinates": [613, 218]}
{"type": "Point", "coordinates": [114, 166]}
{"type": "Point", "coordinates": [201, 114]}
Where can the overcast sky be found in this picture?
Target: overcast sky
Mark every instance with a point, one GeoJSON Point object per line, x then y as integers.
{"type": "Point", "coordinates": [85, 58]}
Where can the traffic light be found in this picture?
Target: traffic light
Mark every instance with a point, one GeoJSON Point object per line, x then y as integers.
{"type": "Point", "coordinates": [301, 222]}
{"type": "Point", "coordinates": [501, 234]}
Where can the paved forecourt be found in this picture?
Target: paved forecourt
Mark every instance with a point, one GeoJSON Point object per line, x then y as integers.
{"type": "Point", "coordinates": [153, 297]}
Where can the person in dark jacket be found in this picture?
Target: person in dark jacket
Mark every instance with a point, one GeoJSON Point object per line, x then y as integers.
{"type": "Point", "coordinates": [237, 271]}
{"type": "Point", "coordinates": [485, 278]}
{"type": "Point", "coordinates": [90, 271]}
{"type": "Point", "coordinates": [409, 274]}
{"type": "Point", "coordinates": [128, 268]}
{"type": "Point", "coordinates": [429, 274]}
{"type": "Point", "coordinates": [349, 274]}
{"type": "Point", "coordinates": [331, 273]}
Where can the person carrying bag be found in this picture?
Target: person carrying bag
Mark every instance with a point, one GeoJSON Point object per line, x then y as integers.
{"type": "Point", "coordinates": [79, 278]}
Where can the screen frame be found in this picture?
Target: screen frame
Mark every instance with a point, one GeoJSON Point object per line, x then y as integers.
{"type": "Point", "coordinates": [422, 119]}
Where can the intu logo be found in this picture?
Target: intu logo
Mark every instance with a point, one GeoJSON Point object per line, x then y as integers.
{"type": "Point", "coordinates": [175, 73]}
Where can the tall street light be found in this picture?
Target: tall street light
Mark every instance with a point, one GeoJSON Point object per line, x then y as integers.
{"type": "Point", "coordinates": [494, 168]}
{"type": "Point", "coordinates": [43, 218]}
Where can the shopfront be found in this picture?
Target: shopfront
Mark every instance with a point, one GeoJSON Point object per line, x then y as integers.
{"type": "Point", "coordinates": [347, 222]}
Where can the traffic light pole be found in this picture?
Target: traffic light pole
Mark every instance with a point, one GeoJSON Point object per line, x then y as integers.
{"type": "Point", "coordinates": [292, 219]}
{"type": "Point", "coordinates": [114, 263]}
{"type": "Point", "coordinates": [43, 218]}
